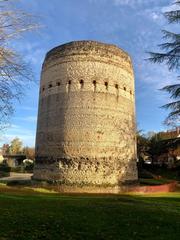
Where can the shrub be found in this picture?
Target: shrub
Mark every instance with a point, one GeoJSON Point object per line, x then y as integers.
{"type": "Point", "coordinates": [29, 167]}
{"type": "Point", "coordinates": [4, 170]}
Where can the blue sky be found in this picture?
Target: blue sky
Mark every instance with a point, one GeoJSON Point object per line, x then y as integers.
{"type": "Point", "coordinates": [134, 25]}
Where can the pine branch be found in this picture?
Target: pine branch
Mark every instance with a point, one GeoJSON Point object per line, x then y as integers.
{"type": "Point", "coordinates": [174, 90]}
{"type": "Point", "coordinates": [173, 16]}
{"type": "Point", "coordinates": [171, 35]}
{"type": "Point", "coordinates": [171, 58]}
{"type": "Point", "coordinates": [173, 106]}
{"type": "Point", "coordinates": [174, 114]}
{"type": "Point", "coordinates": [170, 45]}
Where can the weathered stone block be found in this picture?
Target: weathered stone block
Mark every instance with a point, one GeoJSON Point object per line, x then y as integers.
{"type": "Point", "coordinates": [86, 119]}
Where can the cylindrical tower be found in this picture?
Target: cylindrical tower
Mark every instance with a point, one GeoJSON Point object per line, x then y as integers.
{"type": "Point", "coordinates": [86, 119]}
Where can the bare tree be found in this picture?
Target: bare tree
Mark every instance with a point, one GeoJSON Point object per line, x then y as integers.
{"type": "Point", "coordinates": [15, 73]}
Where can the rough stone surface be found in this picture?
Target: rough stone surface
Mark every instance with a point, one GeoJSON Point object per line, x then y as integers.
{"type": "Point", "coordinates": [86, 129]}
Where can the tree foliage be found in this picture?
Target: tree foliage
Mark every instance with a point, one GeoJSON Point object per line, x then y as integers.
{"type": "Point", "coordinates": [150, 146]}
{"type": "Point", "coordinates": [15, 73]}
{"type": "Point", "coordinates": [29, 152]}
{"type": "Point", "coordinates": [170, 55]}
{"type": "Point", "coordinates": [156, 146]}
{"type": "Point", "coordinates": [142, 146]}
{"type": "Point", "coordinates": [5, 149]}
{"type": "Point", "coordinates": [16, 146]}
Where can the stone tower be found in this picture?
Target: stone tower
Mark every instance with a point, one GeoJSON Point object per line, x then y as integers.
{"type": "Point", "coordinates": [86, 119]}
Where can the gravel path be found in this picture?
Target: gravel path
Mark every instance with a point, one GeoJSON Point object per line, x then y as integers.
{"type": "Point", "coordinates": [17, 176]}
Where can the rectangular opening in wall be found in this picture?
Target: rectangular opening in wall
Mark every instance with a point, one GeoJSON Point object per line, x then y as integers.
{"type": "Point", "coordinates": [117, 90]}
{"type": "Point", "coordinates": [81, 84]}
{"type": "Point", "coordinates": [68, 86]}
{"type": "Point", "coordinates": [94, 84]}
{"type": "Point", "coordinates": [106, 85]}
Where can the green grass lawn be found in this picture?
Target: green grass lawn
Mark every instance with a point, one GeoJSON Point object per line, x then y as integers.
{"type": "Point", "coordinates": [153, 182]}
{"type": "Point", "coordinates": [27, 215]}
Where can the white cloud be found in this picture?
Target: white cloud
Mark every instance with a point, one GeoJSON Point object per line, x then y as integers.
{"type": "Point", "coordinates": [157, 75]}
{"type": "Point", "coordinates": [32, 52]}
{"type": "Point", "coordinates": [31, 119]}
{"type": "Point", "coordinates": [155, 15]}
{"type": "Point", "coordinates": [27, 108]}
{"type": "Point", "coordinates": [169, 8]}
{"type": "Point", "coordinates": [132, 3]}
{"type": "Point", "coordinates": [123, 2]}
{"type": "Point", "coordinates": [154, 79]}
{"type": "Point", "coordinates": [28, 140]}
{"type": "Point", "coordinates": [26, 135]}
{"type": "Point", "coordinates": [35, 56]}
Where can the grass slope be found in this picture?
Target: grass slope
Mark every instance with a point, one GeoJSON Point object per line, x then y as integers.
{"type": "Point", "coordinates": [27, 215]}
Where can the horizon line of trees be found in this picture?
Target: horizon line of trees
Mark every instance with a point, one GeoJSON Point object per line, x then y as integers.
{"type": "Point", "coordinates": [16, 147]}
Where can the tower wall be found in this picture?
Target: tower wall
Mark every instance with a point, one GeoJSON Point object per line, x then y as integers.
{"type": "Point", "coordinates": [86, 130]}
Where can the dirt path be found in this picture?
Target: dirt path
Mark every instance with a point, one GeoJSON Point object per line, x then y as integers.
{"type": "Point", "coordinates": [17, 176]}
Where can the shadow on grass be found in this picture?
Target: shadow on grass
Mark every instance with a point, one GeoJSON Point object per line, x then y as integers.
{"type": "Point", "coordinates": [28, 215]}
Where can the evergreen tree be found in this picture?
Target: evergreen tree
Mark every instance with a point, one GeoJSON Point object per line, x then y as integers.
{"type": "Point", "coordinates": [170, 55]}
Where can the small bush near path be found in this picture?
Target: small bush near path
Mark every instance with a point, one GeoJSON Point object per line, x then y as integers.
{"type": "Point", "coordinates": [4, 170]}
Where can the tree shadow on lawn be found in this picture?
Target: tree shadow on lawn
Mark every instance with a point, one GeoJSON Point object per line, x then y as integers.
{"type": "Point", "coordinates": [61, 216]}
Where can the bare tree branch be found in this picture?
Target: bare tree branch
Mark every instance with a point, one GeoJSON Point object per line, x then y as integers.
{"type": "Point", "coordinates": [14, 71]}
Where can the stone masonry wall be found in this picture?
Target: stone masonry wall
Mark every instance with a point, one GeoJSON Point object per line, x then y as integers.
{"type": "Point", "coordinates": [86, 132]}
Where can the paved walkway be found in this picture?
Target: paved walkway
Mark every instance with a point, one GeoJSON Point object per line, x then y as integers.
{"type": "Point", "coordinates": [17, 176]}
